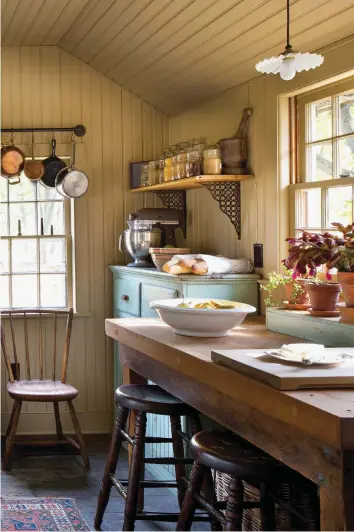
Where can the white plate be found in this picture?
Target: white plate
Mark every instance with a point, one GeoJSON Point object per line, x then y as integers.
{"type": "Point", "coordinates": [328, 360]}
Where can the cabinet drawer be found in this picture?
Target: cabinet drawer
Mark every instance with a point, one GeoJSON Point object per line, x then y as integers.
{"type": "Point", "coordinates": [127, 296]}
{"type": "Point", "coordinates": [150, 292]}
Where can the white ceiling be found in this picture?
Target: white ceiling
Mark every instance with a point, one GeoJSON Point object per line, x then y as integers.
{"type": "Point", "coordinates": [174, 53]}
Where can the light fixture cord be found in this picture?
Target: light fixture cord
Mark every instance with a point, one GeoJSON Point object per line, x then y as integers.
{"type": "Point", "coordinates": [288, 45]}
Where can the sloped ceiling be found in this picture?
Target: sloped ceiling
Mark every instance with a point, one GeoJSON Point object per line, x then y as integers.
{"type": "Point", "coordinates": [175, 53]}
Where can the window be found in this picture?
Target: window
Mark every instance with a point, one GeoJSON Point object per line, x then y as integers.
{"type": "Point", "coordinates": [35, 246]}
{"type": "Point", "coordinates": [324, 190]}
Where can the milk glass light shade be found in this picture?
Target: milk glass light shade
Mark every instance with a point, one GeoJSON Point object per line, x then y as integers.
{"type": "Point", "coordinates": [289, 63]}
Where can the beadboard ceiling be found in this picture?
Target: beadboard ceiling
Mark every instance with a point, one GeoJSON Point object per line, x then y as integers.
{"type": "Point", "coordinates": [175, 53]}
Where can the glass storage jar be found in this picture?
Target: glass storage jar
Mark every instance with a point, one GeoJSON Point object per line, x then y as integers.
{"type": "Point", "coordinates": [212, 161]}
{"type": "Point", "coordinates": [168, 164]}
{"type": "Point", "coordinates": [144, 176]}
{"type": "Point", "coordinates": [194, 163]}
{"type": "Point", "coordinates": [174, 166]}
{"type": "Point", "coordinates": [181, 159]}
{"type": "Point", "coordinates": [161, 171]}
{"type": "Point", "coordinates": [152, 172]}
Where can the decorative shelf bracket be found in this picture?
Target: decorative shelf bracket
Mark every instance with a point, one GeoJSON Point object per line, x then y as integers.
{"type": "Point", "coordinates": [175, 199]}
{"type": "Point", "coordinates": [228, 195]}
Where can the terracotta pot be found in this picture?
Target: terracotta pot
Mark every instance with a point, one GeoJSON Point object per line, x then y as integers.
{"type": "Point", "coordinates": [301, 299]}
{"type": "Point", "coordinates": [323, 296]}
{"type": "Point", "coordinates": [346, 279]}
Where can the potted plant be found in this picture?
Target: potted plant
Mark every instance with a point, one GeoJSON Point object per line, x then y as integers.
{"type": "Point", "coordinates": [306, 254]}
{"type": "Point", "coordinates": [293, 289]}
{"type": "Point", "coordinates": [344, 262]}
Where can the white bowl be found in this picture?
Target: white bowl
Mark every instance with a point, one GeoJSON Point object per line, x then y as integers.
{"type": "Point", "coordinates": [200, 322]}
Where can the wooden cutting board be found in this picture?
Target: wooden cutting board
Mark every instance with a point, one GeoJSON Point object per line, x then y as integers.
{"type": "Point", "coordinates": [287, 376]}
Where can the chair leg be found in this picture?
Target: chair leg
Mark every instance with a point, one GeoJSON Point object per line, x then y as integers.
{"type": "Point", "coordinates": [135, 472]}
{"type": "Point", "coordinates": [112, 459]}
{"type": "Point", "coordinates": [58, 426]}
{"type": "Point", "coordinates": [234, 505]}
{"type": "Point", "coordinates": [178, 452]}
{"type": "Point", "coordinates": [10, 422]}
{"type": "Point", "coordinates": [79, 436]}
{"type": "Point", "coordinates": [186, 515]}
{"type": "Point", "coordinates": [15, 416]}
{"type": "Point", "coordinates": [267, 509]}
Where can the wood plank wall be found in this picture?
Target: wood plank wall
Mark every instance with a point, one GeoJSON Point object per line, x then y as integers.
{"type": "Point", "coordinates": [264, 200]}
{"type": "Point", "coordinates": [46, 86]}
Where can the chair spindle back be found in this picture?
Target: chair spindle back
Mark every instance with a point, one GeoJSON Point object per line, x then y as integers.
{"type": "Point", "coordinates": [25, 314]}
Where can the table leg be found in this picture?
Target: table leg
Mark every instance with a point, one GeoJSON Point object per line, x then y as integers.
{"type": "Point", "coordinates": [337, 497]}
{"type": "Point", "coordinates": [131, 377]}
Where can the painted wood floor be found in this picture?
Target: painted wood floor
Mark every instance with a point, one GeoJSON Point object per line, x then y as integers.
{"type": "Point", "coordinates": [64, 476]}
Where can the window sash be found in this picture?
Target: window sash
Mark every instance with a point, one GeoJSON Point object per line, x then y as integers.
{"type": "Point", "coordinates": [67, 208]}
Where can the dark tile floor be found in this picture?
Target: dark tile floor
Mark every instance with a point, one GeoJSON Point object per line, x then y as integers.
{"type": "Point", "coordinates": [64, 476]}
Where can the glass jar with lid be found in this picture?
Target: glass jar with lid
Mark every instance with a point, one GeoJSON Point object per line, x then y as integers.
{"type": "Point", "coordinates": [152, 172]}
{"type": "Point", "coordinates": [161, 170]}
{"type": "Point", "coordinates": [181, 159]}
{"type": "Point", "coordinates": [194, 163]}
{"type": "Point", "coordinates": [168, 163]}
{"type": "Point", "coordinates": [174, 163]}
{"type": "Point", "coordinates": [212, 160]}
{"type": "Point", "coordinates": [144, 176]}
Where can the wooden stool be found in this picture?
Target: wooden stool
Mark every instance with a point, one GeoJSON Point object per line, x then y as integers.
{"type": "Point", "coordinates": [143, 399]}
{"type": "Point", "coordinates": [242, 461]}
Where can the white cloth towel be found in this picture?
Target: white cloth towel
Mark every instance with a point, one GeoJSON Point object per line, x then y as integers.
{"type": "Point", "coordinates": [218, 264]}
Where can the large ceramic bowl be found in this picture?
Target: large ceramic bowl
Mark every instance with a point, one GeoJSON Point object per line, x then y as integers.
{"type": "Point", "coordinates": [200, 322]}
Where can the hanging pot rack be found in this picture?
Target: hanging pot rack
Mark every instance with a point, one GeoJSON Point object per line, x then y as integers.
{"type": "Point", "coordinates": [78, 130]}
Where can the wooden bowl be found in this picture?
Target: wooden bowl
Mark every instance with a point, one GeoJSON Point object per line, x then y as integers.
{"type": "Point", "coordinates": [162, 255]}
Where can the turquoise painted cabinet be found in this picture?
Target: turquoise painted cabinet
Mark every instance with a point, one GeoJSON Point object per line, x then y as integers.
{"type": "Point", "coordinates": [135, 288]}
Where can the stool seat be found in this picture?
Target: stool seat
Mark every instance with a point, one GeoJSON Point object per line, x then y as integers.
{"type": "Point", "coordinates": [228, 454]}
{"type": "Point", "coordinates": [151, 399]}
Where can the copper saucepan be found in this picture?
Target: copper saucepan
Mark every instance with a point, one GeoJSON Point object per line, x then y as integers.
{"type": "Point", "coordinates": [12, 161]}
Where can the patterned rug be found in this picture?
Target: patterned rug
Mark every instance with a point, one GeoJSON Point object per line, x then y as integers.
{"type": "Point", "coordinates": [41, 514]}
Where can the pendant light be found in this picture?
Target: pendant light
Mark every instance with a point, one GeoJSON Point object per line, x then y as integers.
{"type": "Point", "coordinates": [289, 62]}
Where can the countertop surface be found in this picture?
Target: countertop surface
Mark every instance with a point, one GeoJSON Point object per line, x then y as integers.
{"type": "Point", "coordinates": [185, 277]}
{"type": "Point", "coordinates": [316, 411]}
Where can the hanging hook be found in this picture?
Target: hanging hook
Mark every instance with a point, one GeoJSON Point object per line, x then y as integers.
{"type": "Point", "coordinates": [53, 135]}
{"type": "Point", "coordinates": [12, 136]}
{"type": "Point", "coordinates": [32, 136]}
{"type": "Point", "coordinates": [73, 136]}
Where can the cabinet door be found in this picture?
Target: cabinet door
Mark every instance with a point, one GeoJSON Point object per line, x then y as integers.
{"type": "Point", "coordinates": [150, 292]}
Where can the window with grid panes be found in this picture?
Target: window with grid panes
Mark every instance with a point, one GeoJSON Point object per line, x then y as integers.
{"type": "Point", "coordinates": [35, 267]}
{"type": "Point", "coordinates": [325, 188]}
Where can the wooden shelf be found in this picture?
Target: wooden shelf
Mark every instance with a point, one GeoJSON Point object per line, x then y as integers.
{"type": "Point", "coordinates": [192, 182]}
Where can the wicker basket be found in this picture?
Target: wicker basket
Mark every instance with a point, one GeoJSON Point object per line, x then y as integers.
{"type": "Point", "coordinates": [301, 495]}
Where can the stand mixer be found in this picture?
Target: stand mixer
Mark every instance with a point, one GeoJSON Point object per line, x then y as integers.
{"type": "Point", "coordinates": [149, 228]}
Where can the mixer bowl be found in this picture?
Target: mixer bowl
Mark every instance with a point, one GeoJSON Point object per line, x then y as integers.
{"type": "Point", "coordinates": [137, 243]}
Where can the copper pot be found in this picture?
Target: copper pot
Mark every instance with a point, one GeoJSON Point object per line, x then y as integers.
{"type": "Point", "coordinates": [12, 161]}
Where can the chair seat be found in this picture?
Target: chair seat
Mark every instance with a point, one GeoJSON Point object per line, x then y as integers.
{"type": "Point", "coordinates": [151, 398]}
{"type": "Point", "coordinates": [46, 390]}
{"type": "Point", "coordinates": [228, 454]}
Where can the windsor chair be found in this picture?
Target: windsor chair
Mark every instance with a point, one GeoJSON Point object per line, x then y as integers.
{"type": "Point", "coordinates": [38, 390]}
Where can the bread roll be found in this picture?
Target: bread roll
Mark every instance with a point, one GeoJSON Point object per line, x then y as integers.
{"type": "Point", "coordinates": [200, 268]}
{"type": "Point", "coordinates": [176, 269]}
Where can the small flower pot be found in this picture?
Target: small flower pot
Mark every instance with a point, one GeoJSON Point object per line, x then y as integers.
{"type": "Point", "coordinates": [323, 296]}
{"type": "Point", "coordinates": [301, 299]}
{"type": "Point", "coordinates": [346, 280]}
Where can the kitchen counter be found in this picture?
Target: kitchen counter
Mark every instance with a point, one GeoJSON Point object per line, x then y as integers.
{"type": "Point", "coordinates": [311, 431]}
{"type": "Point", "coordinates": [156, 274]}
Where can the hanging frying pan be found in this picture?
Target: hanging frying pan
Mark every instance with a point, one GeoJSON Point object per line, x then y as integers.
{"type": "Point", "coordinates": [52, 165]}
{"type": "Point", "coordinates": [33, 169]}
{"type": "Point", "coordinates": [12, 161]}
{"type": "Point", "coordinates": [71, 182]}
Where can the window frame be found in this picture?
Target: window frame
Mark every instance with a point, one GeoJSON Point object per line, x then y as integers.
{"type": "Point", "coordinates": [67, 237]}
{"type": "Point", "coordinates": [299, 138]}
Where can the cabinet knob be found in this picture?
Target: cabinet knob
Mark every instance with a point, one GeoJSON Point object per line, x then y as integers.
{"type": "Point", "coordinates": [125, 298]}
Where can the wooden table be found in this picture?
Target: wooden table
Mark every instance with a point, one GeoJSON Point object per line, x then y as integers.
{"type": "Point", "coordinates": [311, 431]}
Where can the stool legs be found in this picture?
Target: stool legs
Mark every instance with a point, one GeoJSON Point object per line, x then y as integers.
{"type": "Point", "coordinates": [135, 472]}
{"type": "Point", "coordinates": [178, 452]}
{"type": "Point", "coordinates": [189, 505]}
{"type": "Point", "coordinates": [234, 505]}
{"type": "Point", "coordinates": [267, 509]}
{"type": "Point", "coordinates": [111, 465]}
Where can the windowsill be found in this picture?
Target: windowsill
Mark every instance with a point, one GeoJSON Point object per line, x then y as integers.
{"type": "Point", "coordinates": [4, 316]}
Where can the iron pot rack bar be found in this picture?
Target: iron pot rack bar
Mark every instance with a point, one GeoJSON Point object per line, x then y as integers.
{"type": "Point", "coordinates": [78, 130]}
